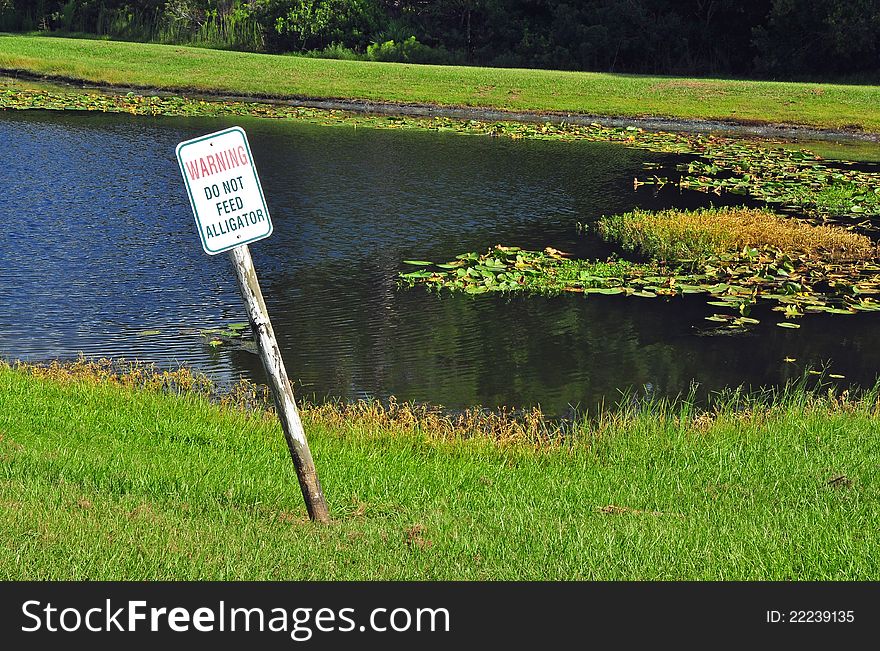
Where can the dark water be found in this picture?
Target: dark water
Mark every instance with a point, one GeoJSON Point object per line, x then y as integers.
{"type": "Point", "coordinates": [97, 243]}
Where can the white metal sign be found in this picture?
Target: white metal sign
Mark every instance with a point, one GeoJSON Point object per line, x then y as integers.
{"type": "Point", "coordinates": [224, 191]}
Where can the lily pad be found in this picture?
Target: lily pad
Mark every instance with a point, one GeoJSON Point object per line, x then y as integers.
{"type": "Point", "coordinates": [604, 290]}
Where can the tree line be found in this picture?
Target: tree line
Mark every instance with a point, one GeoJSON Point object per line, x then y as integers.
{"type": "Point", "coordinates": [760, 38]}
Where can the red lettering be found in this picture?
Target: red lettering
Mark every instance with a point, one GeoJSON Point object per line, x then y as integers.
{"type": "Point", "coordinates": [193, 168]}
{"type": "Point", "coordinates": [220, 162]}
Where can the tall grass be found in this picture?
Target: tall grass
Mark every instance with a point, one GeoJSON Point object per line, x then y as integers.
{"type": "Point", "coordinates": [235, 30]}
{"type": "Point", "coordinates": [686, 235]}
{"type": "Point", "coordinates": [502, 425]}
{"type": "Point", "coordinates": [232, 31]}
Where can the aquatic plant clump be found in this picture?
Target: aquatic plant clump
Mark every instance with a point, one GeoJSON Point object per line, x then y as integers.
{"type": "Point", "coordinates": [509, 268]}
{"type": "Point", "coordinates": [679, 235]}
{"type": "Point", "coordinates": [798, 267]}
{"type": "Point", "coordinates": [547, 272]}
{"type": "Point", "coordinates": [789, 179]}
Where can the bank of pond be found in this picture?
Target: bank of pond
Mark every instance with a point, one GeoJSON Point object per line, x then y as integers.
{"type": "Point", "coordinates": [133, 475]}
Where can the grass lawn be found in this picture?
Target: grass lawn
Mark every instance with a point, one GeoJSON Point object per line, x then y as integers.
{"type": "Point", "coordinates": [180, 68]}
{"type": "Point", "coordinates": [106, 482]}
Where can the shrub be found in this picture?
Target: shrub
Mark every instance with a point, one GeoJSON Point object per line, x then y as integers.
{"type": "Point", "coordinates": [334, 51]}
{"type": "Point", "coordinates": [409, 51]}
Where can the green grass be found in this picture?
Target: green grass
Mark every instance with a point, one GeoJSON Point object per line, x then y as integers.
{"type": "Point", "coordinates": [178, 67]}
{"type": "Point", "coordinates": [107, 482]}
{"type": "Point", "coordinates": [859, 151]}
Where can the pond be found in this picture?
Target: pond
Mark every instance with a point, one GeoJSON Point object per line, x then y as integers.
{"type": "Point", "coordinates": [98, 246]}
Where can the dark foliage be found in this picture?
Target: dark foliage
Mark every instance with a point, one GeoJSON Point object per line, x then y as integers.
{"type": "Point", "coordinates": [770, 38]}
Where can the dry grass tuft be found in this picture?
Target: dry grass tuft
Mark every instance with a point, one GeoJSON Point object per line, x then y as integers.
{"type": "Point", "coordinates": [529, 427]}
{"type": "Point", "coordinates": [503, 425]}
{"type": "Point", "coordinates": [686, 235]}
{"type": "Point", "coordinates": [244, 395]}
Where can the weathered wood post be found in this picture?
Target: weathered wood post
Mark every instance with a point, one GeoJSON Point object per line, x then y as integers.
{"type": "Point", "coordinates": [285, 404]}
{"type": "Point", "coordinates": [230, 212]}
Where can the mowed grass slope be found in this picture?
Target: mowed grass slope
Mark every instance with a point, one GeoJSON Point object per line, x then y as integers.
{"type": "Point", "coordinates": [177, 67]}
{"type": "Point", "coordinates": [103, 482]}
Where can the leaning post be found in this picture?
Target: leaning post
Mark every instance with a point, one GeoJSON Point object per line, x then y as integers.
{"type": "Point", "coordinates": [230, 211]}
{"type": "Point", "coordinates": [285, 404]}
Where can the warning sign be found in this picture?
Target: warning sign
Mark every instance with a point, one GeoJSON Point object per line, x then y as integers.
{"type": "Point", "coordinates": [224, 190]}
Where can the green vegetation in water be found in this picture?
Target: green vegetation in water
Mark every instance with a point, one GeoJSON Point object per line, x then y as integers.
{"type": "Point", "coordinates": [735, 256]}
{"type": "Point", "coordinates": [765, 170]}
{"type": "Point", "coordinates": [796, 180]}
{"type": "Point", "coordinates": [233, 336]}
{"type": "Point", "coordinates": [853, 198]}
{"type": "Point", "coordinates": [102, 479]}
{"type": "Point", "coordinates": [843, 151]}
{"type": "Point", "coordinates": [236, 336]}
{"type": "Point", "coordinates": [509, 268]}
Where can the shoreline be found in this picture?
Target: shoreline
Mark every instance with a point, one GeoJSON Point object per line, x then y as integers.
{"type": "Point", "coordinates": [423, 110]}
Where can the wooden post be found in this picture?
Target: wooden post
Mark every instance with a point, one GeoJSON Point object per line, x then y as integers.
{"type": "Point", "coordinates": [281, 389]}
